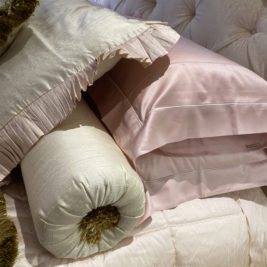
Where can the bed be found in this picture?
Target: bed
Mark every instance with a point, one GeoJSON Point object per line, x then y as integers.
{"type": "Point", "coordinates": [225, 230]}
{"type": "Point", "coordinates": [229, 230]}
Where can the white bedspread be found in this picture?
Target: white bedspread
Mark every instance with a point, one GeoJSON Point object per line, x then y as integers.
{"type": "Point", "coordinates": [224, 231]}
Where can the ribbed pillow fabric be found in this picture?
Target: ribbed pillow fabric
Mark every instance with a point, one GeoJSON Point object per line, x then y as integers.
{"type": "Point", "coordinates": [72, 171]}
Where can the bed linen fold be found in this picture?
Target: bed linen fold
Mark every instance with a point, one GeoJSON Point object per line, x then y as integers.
{"type": "Point", "coordinates": [193, 123]}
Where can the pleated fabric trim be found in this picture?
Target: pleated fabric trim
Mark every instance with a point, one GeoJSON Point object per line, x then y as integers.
{"type": "Point", "coordinates": [44, 114]}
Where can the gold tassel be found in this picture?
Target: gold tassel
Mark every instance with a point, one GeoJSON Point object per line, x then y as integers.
{"type": "Point", "coordinates": [96, 222]}
{"type": "Point", "coordinates": [13, 14]}
{"type": "Point", "coordinates": [8, 237]}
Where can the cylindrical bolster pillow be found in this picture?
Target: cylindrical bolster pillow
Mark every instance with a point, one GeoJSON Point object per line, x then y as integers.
{"type": "Point", "coordinates": [83, 194]}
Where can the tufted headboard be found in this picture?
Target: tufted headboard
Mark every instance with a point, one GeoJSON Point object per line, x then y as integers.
{"type": "Point", "coordinates": [236, 29]}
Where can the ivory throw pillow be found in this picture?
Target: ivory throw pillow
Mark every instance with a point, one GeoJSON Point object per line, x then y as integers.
{"type": "Point", "coordinates": [56, 56]}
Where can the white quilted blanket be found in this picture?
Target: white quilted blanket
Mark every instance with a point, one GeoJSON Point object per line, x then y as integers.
{"type": "Point", "coordinates": [227, 231]}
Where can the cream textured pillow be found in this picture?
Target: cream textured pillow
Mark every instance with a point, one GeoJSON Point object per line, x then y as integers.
{"type": "Point", "coordinates": [55, 57]}
{"type": "Point", "coordinates": [77, 173]}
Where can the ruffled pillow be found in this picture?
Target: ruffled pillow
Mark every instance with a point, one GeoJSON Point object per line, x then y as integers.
{"type": "Point", "coordinates": [57, 55]}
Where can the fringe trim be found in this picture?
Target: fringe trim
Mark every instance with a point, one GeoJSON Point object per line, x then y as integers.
{"type": "Point", "coordinates": [43, 115]}
{"type": "Point", "coordinates": [8, 236]}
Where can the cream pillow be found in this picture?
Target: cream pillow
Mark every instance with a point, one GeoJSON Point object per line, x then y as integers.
{"type": "Point", "coordinates": [236, 29]}
{"type": "Point", "coordinates": [57, 56]}
{"type": "Point", "coordinates": [83, 194]}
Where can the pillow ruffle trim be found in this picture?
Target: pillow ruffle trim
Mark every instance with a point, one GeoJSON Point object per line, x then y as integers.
{"type": "Point", "coordinates": [44, 114]}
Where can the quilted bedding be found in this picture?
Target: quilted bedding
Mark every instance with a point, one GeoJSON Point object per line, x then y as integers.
{"type": "Point", "coordinates": [224, 231]}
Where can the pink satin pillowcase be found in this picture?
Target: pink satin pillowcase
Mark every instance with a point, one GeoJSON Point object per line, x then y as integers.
{"type": "Point", "coordinates": [193, 124]}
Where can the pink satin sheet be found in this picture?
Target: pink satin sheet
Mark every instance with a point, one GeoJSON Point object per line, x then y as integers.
{"type": "Point", "coordinates": [194, 124]}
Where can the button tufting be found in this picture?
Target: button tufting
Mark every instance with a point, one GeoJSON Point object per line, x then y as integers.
{"type": "Point", "coordinates": [215, 24]}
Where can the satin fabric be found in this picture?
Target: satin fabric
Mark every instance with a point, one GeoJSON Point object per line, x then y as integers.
{"type": "Point", "coordinates": [193, 124]}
